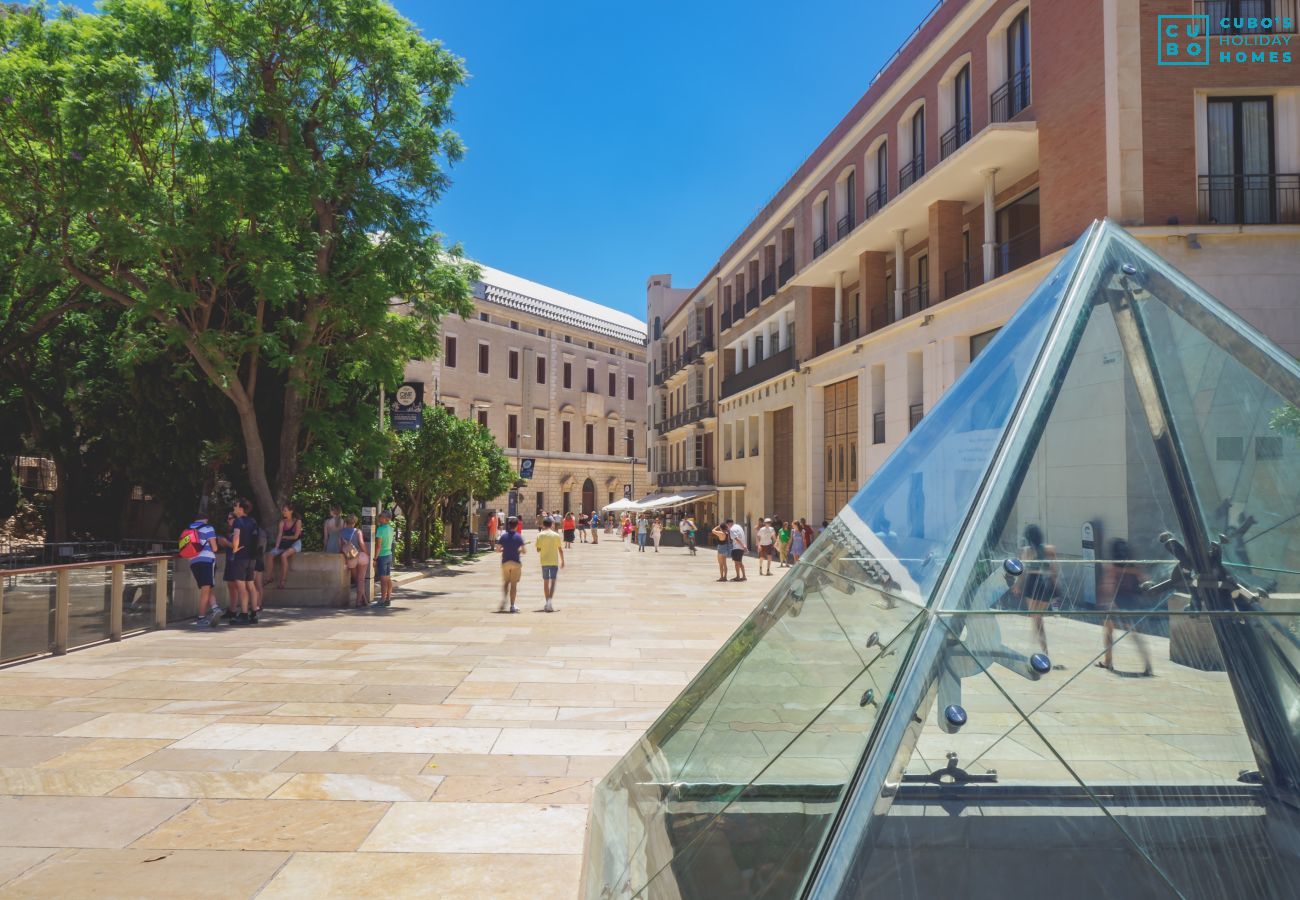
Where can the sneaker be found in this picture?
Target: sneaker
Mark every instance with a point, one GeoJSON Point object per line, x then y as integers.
{"type": "Point", "coordinates": [215, 613]}
{"type": "Point", "coordinates": [203, 622]}
{"type": "Point", "coordinates": [241, 619]}
{"type": "Point", "coordinates": [252, 617]}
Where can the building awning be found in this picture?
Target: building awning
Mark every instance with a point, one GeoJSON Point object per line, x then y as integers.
{"type": "Point", "coordinates": [669, 501]}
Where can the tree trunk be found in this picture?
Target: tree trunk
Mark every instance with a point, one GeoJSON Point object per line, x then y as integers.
{"type": "Point", "coordinates": [255, 455]}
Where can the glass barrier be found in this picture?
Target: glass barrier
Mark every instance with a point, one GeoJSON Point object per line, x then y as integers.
{"type": "Point", "coordinates": [28, 625]}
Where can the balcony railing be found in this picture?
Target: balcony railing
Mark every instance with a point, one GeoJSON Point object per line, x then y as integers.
{"type": "Point", "coordinates": [737, 311]}
{"type": "Point", "coordinates": [786, 271]}
{"type": "Point", "coordinates": [751, 300]}
{"type": "Point", "coordinates": [726, 319]}
{"type": "Point", "coordinates": [916, 298]}
{"type": "Point", "coordinates": [843, 226]}
{"type": "Point", "coordinates": [912, 172]}
{"type": "Point", "coordinates": [692, 476]}
{"type": "Point", "coordinates": [878, 428]}
{"type": "Point", "coordinates": [848, 332]}
{"type": "Point", "coordinates": [1279, 15]}
{"type": "Point", "coordinates": [769, 285]}
{"type": "Point", "coordinates": [1269, 199]}
{"type": "Point", "coordinates": [819, 245]}
{"type": "Point", "coordinates": [954, 137]}
{"type": "Point", "coordinates": [1010, 97]}
{"type": "Point", "coordinates": [875, 200]}
{"type": "Point", "coordinates": [881, 316]}
{"type": "Point", "coordinates": [781, 361]}
{"type": "Point", "coordinates": [1015, 252]}
{"type": "Point", "coordinates": [915, 413]}
{"type": "Point", "coordinates": [956, 280]}
{"type": "Point", "coordinates": [688, 416]}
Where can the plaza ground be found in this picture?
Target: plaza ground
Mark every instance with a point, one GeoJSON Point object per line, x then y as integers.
{"type": "Point", "coordinates": [432, 749]}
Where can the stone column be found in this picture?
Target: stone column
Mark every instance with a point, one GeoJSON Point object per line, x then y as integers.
{"type": "Point", "coordinates": [990, 222]}
{"type": "Point", "coordinates": [900, 271]}
{"type": "Point", "coordinates": [839, 307]}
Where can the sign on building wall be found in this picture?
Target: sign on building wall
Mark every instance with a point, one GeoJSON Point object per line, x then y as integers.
{"type": "Point", "coordinates": [526, 468]}
{"type": "Point", "coordinates": [408, 406]}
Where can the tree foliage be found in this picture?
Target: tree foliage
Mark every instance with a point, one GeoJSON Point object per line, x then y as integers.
{"type": "Point", "coordinates": [249, 182]}
{"type": "Point", "coordinates": [436, 469]}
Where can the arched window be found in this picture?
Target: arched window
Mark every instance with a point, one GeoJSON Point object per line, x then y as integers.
{"type": "Point", "coordinates": [588, 496]}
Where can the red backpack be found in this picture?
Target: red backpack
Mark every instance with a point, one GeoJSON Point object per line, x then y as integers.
{"type": "Point", "coordinates": [190, 544]}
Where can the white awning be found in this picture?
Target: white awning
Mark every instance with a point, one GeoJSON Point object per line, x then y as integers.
{"type": "Point", "coordinates": [668, 501]}
{"type": "Point", "coordinates": [620, 506]}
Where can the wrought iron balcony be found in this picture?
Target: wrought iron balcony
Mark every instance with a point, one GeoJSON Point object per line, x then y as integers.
{"type": "Point", "coordinates": [848, 332]}
{"type": "Point", "coordinates": [916, 298]}
{"type": "Point", "coordinates": [844, 226]}
{"type": "Point", "coordinates": [954, 137]}
{"type": "Point", "coordinates": [1015, 252]}
{"type": "Point", "coordinates": [685, 477]}
{"type": "Point", "coordinates": [786, 271]}
{"type": "Point", "coordinates": [777, 363]}
{"type": "Point", "coordinates": [737, 311]}
{"type": "Point", "coordinates": [769, 285]}
{"type": "Point", "coordinates": [1010, 97]}
{"type": "Point", "coordinates": [751, 300]}
{"type": "Point", "coordinates": [956, 280]}
{"type": "Point", "coordinates": [915, 413]}
{"type": "Point", "coordinates": [875, 200]}
{"type": "Point", "coordinates": [1268, 199]}
{"type": "Point", "coordinates": [819, 245]}
{"type": "Point", "coordinates": [912, 172]}
{"type": "Point", "coordinates": [726, 319]}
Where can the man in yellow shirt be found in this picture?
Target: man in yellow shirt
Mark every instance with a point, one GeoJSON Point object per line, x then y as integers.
{"type": "Point", "coordinates": [550, 555]}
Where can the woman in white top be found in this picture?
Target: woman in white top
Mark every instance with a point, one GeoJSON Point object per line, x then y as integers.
{"type": "Point", "coordinates": [657, 531]}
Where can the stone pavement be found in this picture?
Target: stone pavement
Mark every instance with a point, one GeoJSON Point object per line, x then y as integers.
{"type": "Point", "coordinates": [432, 749]}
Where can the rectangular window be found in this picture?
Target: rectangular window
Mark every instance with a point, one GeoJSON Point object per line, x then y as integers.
{"type": "Point", "coordinates": [631, 442]}
{"type": "Point", "coordinates": [541, 502]}
{"type": "Point", "coordinates": [566, 437]}
{"type": "Point", "coordinates": [512, 431]}
{"type": "Point", "coordinates": [1242, 186]}
{"type": "Point", "coordinates": [1268, 447]}
{"type": "Point", "coordinates": [591, 439]}
{"type": "Point", "coordinates": [539, 434]}
{"type": "Point", "coordinates": [613, 384]}
{"type": "Point", "coordinates": [514, 365]}
{"type": "Point", "coordinates": [631, 388]}
{"type": "Point", "coordinates": [541, 370]}
{"type": "Point", "coordinates": [482, 417]}
{"type": "Point", "coordinates": [483, 359]}
{"type": "Point", "coordinates": [591, 380]}
{"type": "Point", "coordinates": [449, 352]}
{"type": "Point", "coordinates": [568, 375]}
{"type": "Point", "coordinates": [979, 341]}
{"type": "Point", "coordinates": [610, 441]}
{"type": "Point", "coordinates": [514, 325]}
{"type": "Point", "coordinates": [483, 317]}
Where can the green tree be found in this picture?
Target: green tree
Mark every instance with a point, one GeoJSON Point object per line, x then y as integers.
{"type": "Point", "coordinates": [434, 470]}
{"type": "Point", "coordinates": [254, 177]}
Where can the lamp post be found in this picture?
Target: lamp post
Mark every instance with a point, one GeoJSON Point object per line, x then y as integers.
{"type": "Point", "coordinates": [519, 494]}
{"type": "Point", "coordinates": [473, 516]}
{"type": "Point", "coordinates": [632, 461]}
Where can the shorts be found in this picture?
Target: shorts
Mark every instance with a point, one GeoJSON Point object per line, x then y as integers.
{"type": "Point", "coordinates": [296, 547]}
{"type": "Point", "coordinates": [202, 570]}
{"type": "Point", "coordinates": [737, 555]}
{"type": "Point", "coordinates": [764, 551]}
{"type": "Point", "coordinates": [510, 572]}
{"type": "Point", "coordinates": [724, 549]}
{"type": "Point", "coordinates": [238, 570]}
{"type": "Point", "coordinates": [259, 565]}
{"type": "Point", "coordinates": [384, 565]}
{"type": "Point", "coordinates": [550, 573]}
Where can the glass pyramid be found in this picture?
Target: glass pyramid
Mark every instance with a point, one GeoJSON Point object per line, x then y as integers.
{"type": "Point", "coordinates": [1052, 646]}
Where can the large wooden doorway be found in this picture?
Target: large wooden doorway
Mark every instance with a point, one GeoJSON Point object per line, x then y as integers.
{"type": "Point", "coordinates": [840, 444]}
{"type": "Point", "coordinates": [783, 463]}
{"type": "Point", "coordinates": [588, 496]}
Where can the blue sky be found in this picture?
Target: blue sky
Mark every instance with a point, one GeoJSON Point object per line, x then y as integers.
{"type": "Point", "coordinates": [610, 141]}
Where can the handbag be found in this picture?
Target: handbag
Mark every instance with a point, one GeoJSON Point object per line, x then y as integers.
{"type": "Point", "coordinates": [349, 548]}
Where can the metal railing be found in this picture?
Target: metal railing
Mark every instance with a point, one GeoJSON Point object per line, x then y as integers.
{"type": "Point", "coordinates": [848, 332]}
{"type": "Point", "coordinates": [954, 137]}
{"type": "Point", "coordinates": [1267, 199]}
{"type": "Point", "coordinates": [18, 556]}
{"type": "Point", "coordinates": [769, 285]}
{"type": "Point", "coordinates": [785, 271]}
{"type": "Point", "coordinates": [1010, 97]}
{"type": "Point", "coordinates": [912, 172]}
{"type": "Point", "coordinates": [737, 311]}
{"type": "Point", "coordinates": [1257, 16]}
{"type": "Point", "coordinates": [882, 316]}
{"type": "Point", "coordinates": [915, 413]}
{"type": "Point", "coordinates": [688, 416]}
{"type": "Point", "coordinates": [1015, 252]}
{"type": "Point", "coordinates": [843, 226]}
{"type": "Point", "coordinates": [781, 361]}
{"type": "Point", "coordinates": [916, 298]}
{"type": "Point", "coordinates": [878, 428]}
{"type": "Point", "coordinates": [54, 609]}
{"type": "Point", "coordinates": [726, 320]}
{"type": "Point", "coordinates": [956, 280]}
{"type": "Point", "coordinates": [819, 245]}
{"type": "Point", "coordinates": [875, 200]}
{"type": "Point", "coordinates": [691, 476]}
{"type": "Point", "coordinates": [751, 300]}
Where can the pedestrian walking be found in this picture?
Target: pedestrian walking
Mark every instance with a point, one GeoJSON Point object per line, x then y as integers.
{"type": "Point", "coordinates": [642, 526]}
{"type": "Point", "coordinates": [510, 545]}
{"type": "Point", "coordinates": [331, 528]}
{"type": "Point", "coordinates": [1039, 587]}
{"type": "Point", "coordinates": [783, 543]}
{"type": "Point", "coordinates": [796, 542]}
{"type": "Point", "coordinates": [584, 522]}
{"type": "Point", "coordinates": [492, 528]}
{"type": "Point", "coordinates": [288, 541]}
{"type": "Point", "coordinates": [722, 535]}
{"type": "Point", "coordinates": [807, 533]}
{"type": "Point", "coordinates": [766, 546]}
{"type": "Point", "coordinates": [739, 545]}
{"type": "Point", "coordinates": [657, 532]}
{"type": "Point", "coordinates": [550, 556]}
{"type": "Point", "coordinates": [595, 527]}
{"type": "Point", "coordinates": [687, 527]}
{"type": "Point", "coordinates": [570, 526]}
{"type": "Point", "coordinates": [1121, 588]}
{"type": "Point", "coordinates": [384, 557]}
{"type": "Point", "coordinates": [198, 543]}
{"type": "Point", "coordinates": [356, 558]}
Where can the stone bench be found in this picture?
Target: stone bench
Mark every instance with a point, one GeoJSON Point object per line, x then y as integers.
{"type": "Point", "coordinates": [315, 579]}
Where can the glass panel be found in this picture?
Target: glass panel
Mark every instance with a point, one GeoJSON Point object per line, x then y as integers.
{"type": "Point", "coordinates": [88, 593]}
{"type": "Point", "coordinates": [139, 597]}
{"type": "Point", "coordinates": [28, 614]}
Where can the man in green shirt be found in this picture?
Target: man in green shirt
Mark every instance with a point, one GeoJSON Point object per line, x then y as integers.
{"type": "Point", "coordinates": [550, 555]}
{"type": "Point", "coordinates": [384, 558]}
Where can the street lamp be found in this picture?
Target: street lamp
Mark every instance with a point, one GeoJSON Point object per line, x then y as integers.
{"type": "Point", "coordinates": [632, 461]}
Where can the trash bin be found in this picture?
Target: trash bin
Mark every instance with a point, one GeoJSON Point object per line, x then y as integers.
{"type": "Point", "coordinates": [473, 544]}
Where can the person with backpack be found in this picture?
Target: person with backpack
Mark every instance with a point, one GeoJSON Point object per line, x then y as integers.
{"type": "Point", "coordinates": [352, 546]}
{"type": "Point", "coordinates": [198, 544]}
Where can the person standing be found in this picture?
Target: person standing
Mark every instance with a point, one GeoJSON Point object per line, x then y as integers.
{"type": "Point", "coordinates": [492, 528]}
{"type": "Point", "coordinates": [550, 556]}
{"type": "Point", "coordinates": [722, 535]}
{"type": "Point", "coordinates": [352, 545]}
{"type": "Point", "coordinates": [384, 557]}
{"type": "Point", "coordinates": [584, 523]}
{"type": "Point", "coordinates": [288, 541]}
{"type": "Point", "coordinates": [595, 527]}
{"type": "Point", "coordinates": [766, 546]}
{"type": "Point", "coordinates": [783, 542]}
{"type": "Point", "coordinates": [807, 534]}
{"type": "Point", "coordinates": [510, 545]}
{"type": "Point", "coordinates": [657, 532]}
{"type": "Point", "coordinates": [796, 542]}
{"type": "Point", "coordinates": [642, 526]}
{"type": "Point", "coordinates": [738, 547]}
{"type": "Point", "coordinates": [570, 525]}
{"type": "Point", "coordinates": [687, 527]}
{"type": "Point", "coordinates": [333, 525]}
{"type": "Point", "coordinates": [202, 566]}
{"type": "Point", "coordinates": [1039, 580]}
{"type": "Point", "coordinates": [1121, 588]}
{"type": "Point", "coordinates": [239, 560]}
